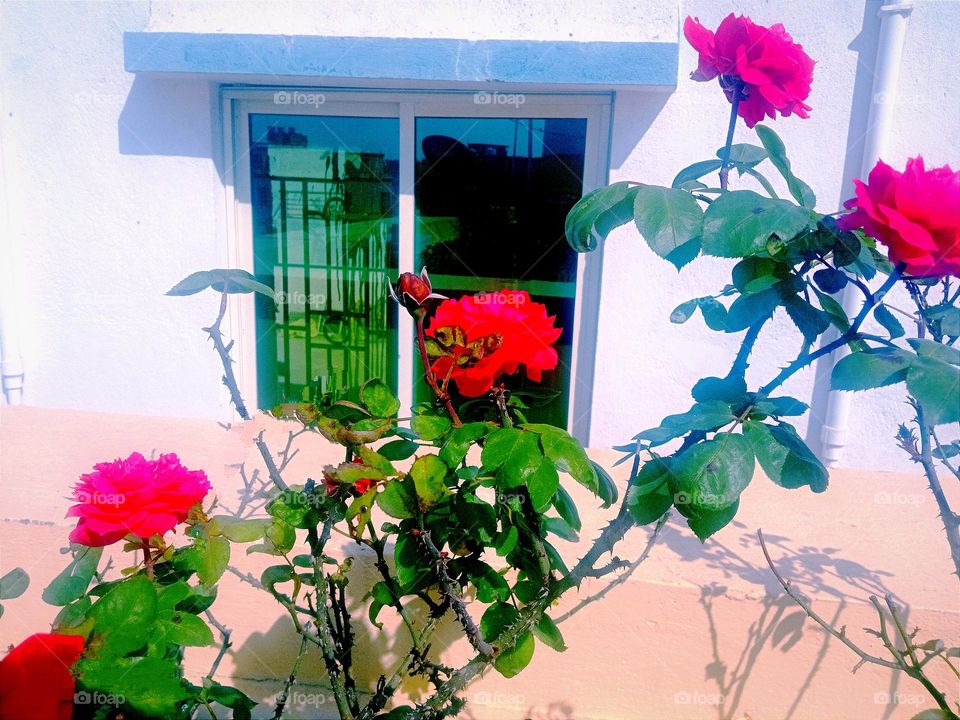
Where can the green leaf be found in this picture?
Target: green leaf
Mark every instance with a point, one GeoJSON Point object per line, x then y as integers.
{"type": "Point", "coordinates": [185, 629]}
{"type": "Point", "coordinates": [458, 443]}
{"type": "Point", "coordinates": [276, 575]}
{"type": "Point", "coordinates": [695, 172]}
{"type": "Point", "coordinates": [398, 499]}
{"type": "Point", "coordinates": [783, 405]}
{"type": "Point", "coordinates": [398, 449]}
{"type": "Point", "coordinates": [237, 530]}
{"type": "Point", "coordinates": [379, 399]}
{"type": "Point", "coordinates": [491, 586]}
{"type": "Point", "coordinates": [568, 455]}
{"type": "Point", "coordinates": [778, 156]}
{"type": "Point", "coordinates": [14, 584]}
{"type": "Point", "coordinates": [566, 508]}
{"type": "Point", "coordinates": [506, 541]}
{"type": "Point", "coordinates": [649, 497]}
{"type": "Point", "coordinates": [947, 317]}
{"type": "Point", "coordinates": [560, 528]}
{"type": "Point", "coordinates": [838, 316]}
{"type": "Point", "coordinates": [606, 487]}
{"type": "Point", "coordinates": [73, 581]}
{"type": "Point", "coordinates": [150, 685]}
{"type": "Point", "coordinates": [216, 556]}
{"type": "Point", "coordinates": [714, 313]}
{"type": "Point", "coordinates": [684, 311]}
{"type": "Point", "coordinates": [708, 522]}
{"type": "Point", "coordinates": [934, 714]}
{"type": "Point", "coordinates": [871, 369]}
{"type": "Point", "coordinates": [731, 390]}
{"type": "Point", "coordinates": [748, 310]}
{"type": "Point", "coordinates": [936, 386]}
{"type": "Point", "coordinates": [830, 280]}
{"type": "Point", "coordinates": [784, 457]}
{"type": "Point", "coordinates": [744, 154]}
{"type": "Point", "coordinates": [710, 475]}
{"type": "Point", "coordinates": [542, 484]}
{"type": "Point", "coordinates": [296, 508]}
{"type": "Point", "coordinates": [549, 634]}
{"type": "Point", "coordinates": [511, 660]}
{"type": "Point", "coordinates": [429, 474]}
{"type": "Point", "coordinates": [514, 450]}
{"type": "Point", "coordinates": [810, 321]}
{"type": "Point", "coordinates": [123, 616]}
{"type": "Point", "coordinates": [429, 427]}
{"type": "Point", "coordinates": [498, 618]}
{"type": "Point", "coordinates": [889, 321]}
{"type": "Point", "coordinates": [232, 281]}
{"type": "Point", "coordinates": [597, 213]}
{"type": "Point", "coordinates": [668, 219]}
{"type": "Point", "coordinates": [935, 350]}
{"type": "Point", "coordinates": [413, 570]}
{"type": "Point", "coordinates": [232, 698]}
{"type": "Point", "coordinates": [739, 223]}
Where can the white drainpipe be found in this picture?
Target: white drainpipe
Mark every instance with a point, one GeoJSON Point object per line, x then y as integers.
{"type": "Point", "coordinates": [893, 31]}
{"type": "Point", "coordinates": [11, 361]}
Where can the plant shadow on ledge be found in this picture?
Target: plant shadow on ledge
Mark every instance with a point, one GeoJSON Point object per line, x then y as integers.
{"type": "Point", "coordinates": [461, 516]}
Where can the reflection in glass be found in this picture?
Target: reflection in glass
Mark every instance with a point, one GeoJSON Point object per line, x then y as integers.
{"type": "Point", "coordinates": [491, 197]}
{"type": "Point", "coordinates": [324, 200]}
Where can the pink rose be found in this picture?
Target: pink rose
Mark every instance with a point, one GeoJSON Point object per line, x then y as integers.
{"type": "Point", "coordinates": [774, 71]}
{"type": "Point", "coordinates": [135, 496]}
{"type": "Point", "coordinates": [916, 214]}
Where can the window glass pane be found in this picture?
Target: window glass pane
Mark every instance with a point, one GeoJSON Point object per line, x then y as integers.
{"type": "Point", "coordinates": [491, 198]}
{"type": "Point", "coordinates": [324, 200]}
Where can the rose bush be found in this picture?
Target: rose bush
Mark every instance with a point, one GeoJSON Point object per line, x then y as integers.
{"type": "Point", "coordinates": [461, 518]}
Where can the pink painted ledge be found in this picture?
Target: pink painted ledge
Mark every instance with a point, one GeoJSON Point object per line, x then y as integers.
{"type": "Point", "coordinates": [697, 632]}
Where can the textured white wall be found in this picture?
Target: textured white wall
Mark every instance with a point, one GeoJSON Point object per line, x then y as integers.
{"type": "Point", "coordinates": [114, 189]}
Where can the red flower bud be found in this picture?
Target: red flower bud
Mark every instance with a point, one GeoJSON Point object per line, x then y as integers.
{"type": "Point", "coordinates": [412, 291]}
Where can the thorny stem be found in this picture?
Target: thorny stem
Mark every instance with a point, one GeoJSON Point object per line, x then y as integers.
{"type": "Point", "coordinates": [731, 127]}
{"type": "Point", "coordinates": [804, 604]}
{"type": "Point", "coordinates": [500, 398]}
{"type": "Point", "coordinates": [291, 679]}
{"type": "Point", "coordinates": [453, 597]}
{"type": "Point", "coordinates": [442, 396]}
{"type": "Point", "coordinates": [951, 521]}
{"type": "Point", "coordinates": [804, 359]}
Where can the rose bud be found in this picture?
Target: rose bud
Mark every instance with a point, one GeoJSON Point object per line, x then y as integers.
{"type": "Point", "coordinates": [412, 291]}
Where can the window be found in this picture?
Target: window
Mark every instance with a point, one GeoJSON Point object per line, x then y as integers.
{"type": "Point", "coordinates": [333, 193]}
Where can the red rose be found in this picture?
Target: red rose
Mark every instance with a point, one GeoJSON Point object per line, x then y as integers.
{"type": "Point", "coordinates": [35, 679]}
{"type": "Point", "coordinates": [134, 496]}
{"type": "Point", "coordinates": [505, 329]}
{"type": "Point", "coordinates": [916, 214]}
{"type": "Point", "coordinates": [775, 71]}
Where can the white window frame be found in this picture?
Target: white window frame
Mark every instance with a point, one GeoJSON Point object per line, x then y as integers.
{"type": "Point", "coordinates": [237, 104]}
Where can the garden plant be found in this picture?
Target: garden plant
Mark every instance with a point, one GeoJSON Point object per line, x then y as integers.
{"type": "Point", "coordinates": [460, 503]}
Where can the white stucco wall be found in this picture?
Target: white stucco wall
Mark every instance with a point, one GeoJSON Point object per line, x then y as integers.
{"type": "Point", "coordinates": [114, 191]}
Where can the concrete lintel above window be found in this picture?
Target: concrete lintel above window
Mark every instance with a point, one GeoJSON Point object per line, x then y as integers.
{"type": "Point", "coordinates": [605, 64]}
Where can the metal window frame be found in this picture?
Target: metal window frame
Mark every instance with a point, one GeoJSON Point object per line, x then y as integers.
{"type": "Point", "coordinates": [236, 105]}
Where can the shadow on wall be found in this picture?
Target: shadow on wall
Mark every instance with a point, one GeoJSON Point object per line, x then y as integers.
{"type": "Point", "coordinates": [865, 47]}
{"type": "Point", "coordinates": [780, 624]}
{"type": "Point", "coordinates": [170, 117]}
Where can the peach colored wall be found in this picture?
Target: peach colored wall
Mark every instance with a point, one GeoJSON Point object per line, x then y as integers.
{"type": "Point", "coordinates": [696, 633]}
